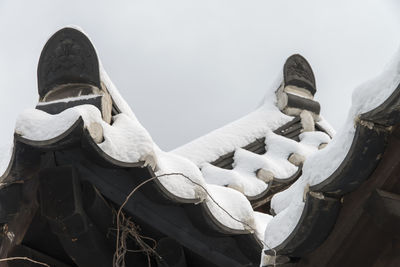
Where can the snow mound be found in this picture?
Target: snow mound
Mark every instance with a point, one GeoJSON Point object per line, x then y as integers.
{"type": "Point", "coordinates": [125, 140]}
{"type": "Point", "coordinates": [179, 185]}
{"type": "Point", "coordinates": [243, 176]}
{"type": "Point", "coordinates": [233, 208]}
{"type": "Point", "coordinates": [234, 135]}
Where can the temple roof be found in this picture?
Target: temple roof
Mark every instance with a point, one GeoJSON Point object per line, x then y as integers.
{"type": "Point", "coordinates": [271, 175]}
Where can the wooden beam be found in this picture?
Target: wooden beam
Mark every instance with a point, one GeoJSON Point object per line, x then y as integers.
{"type": "Point", "coordinates": [384, 209]}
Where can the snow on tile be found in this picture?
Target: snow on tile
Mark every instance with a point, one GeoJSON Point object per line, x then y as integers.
{"type": "Point", "coordinates": [282, 147]}
{"type": "Point", "coordinates": [314, 139]}
{"type": "Point", "coordinates": [178, 184]}
{"type": "Point", "coordinates": [125, 140]}
{"type": "Point", "coordinates": [324, 124]}
{"type": "Point", "coordinates": [243, 175]}
{"type": "Point", "coordinates": [37, 125]}
{"type": "Point", "coordinates": [234, 135]}
{"type": "Point", "coordinates": [245, 182]}
{"type": "Point", "coordinates": [248, 162]}
{"type": "Point", "coordinates": [237, 212]}
{"type": "Point", "coordinates": [261, 222]}
{"type": "Point", "coordinates": [282, 225]}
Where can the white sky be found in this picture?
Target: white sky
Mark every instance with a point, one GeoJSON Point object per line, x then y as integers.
{"type": "Point", "coordinates": [187, 67]}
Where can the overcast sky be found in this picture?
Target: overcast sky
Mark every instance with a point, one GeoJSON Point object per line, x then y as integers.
{"type": "Point", "coordinates": [187, 67]}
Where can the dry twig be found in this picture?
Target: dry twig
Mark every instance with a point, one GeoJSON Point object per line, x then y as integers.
{"type": "Point", "coordinates": [25, 259]}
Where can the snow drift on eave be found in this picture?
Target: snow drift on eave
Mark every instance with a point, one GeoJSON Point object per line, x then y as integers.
{"type": "Point", "coordinates": [289, 204]}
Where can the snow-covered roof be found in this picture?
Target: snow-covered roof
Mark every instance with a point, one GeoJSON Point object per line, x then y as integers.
{"type": "Point", "coordinates": [346, 162]}
{"type": "Point", "coordinates": [282, 142]}
{"type": "Point", "coordinates": [267, 147]}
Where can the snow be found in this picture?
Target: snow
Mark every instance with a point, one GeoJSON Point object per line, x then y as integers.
{"type": "Point", "coordinates": [68, 99]}
{"type": "Point", "coordinates": [374, 92]}
{"type": "Point", "coordinates": [314, 138]}
{"type": "Point", "coordinates": [280, 226]}
{"type": "Point", "coordinates": [261, 222]}
{"type": "Point", "coordinates": [326, 126]}
{"type": "Point", "coordinates": [125, 140]}
{"type": "Point", "coordinates": [226, 199]}
{"type": "Point", "coordinates": [177, 184]}
{"type": "Point", "coordinates": [234, 135]}
{"type": "Point", "coordinates": [288, 204]}
{"type": "Point", "coordinates": [37, 125]}
{"type": "Point", "coordinates": [247, 183]}
{"type": "Point", "coordinates": [233, 203]}
{"type": "Point", "coordinates": [248, 162]}
{"type": "Point", "coordinates": [230, 138]}
{"type": "Point", "coordinates": [282, 147]}
{"type": "Point", "coordinates": [243, 175]}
